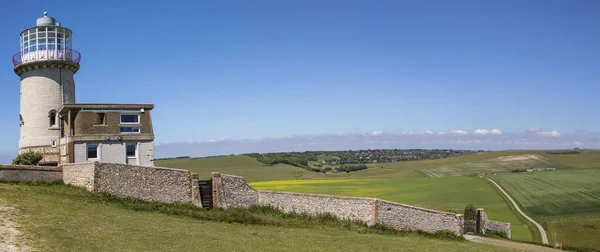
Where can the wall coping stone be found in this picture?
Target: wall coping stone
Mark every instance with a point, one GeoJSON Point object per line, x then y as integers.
{"type": "Point", "coordinates": [420, 208]}
{"type": "Point", "coordinates": [140, 166]}
{"type": "Point", "coordinates": [315, 195]}
{"type": "Point", "coordinates": [30, 167]}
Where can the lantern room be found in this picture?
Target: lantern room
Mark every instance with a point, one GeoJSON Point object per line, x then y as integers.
{"type": "Point", "coordinates": [48, 40]}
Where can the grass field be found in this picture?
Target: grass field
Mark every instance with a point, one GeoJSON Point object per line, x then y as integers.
{"type": "Point", "coordinates": [252, 170]}
{"type": "Point", "coordinates": [464, 165]}
{"type": "Point", "coordinates": [504, 164]}
{"type": "Point", "coordinates": [444, 194]}
{"type": "Point", "coordinates": [587, 159]}
{"type": "Point", "coordinates": [389, 181]}
{"type": "Point", "coordinates": [566, 202]}
{"type": "Point", "coordinates": [63, 218]}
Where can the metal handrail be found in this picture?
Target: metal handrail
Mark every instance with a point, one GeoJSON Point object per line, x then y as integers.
{"type": "Point", "coordinates": [39, 55]}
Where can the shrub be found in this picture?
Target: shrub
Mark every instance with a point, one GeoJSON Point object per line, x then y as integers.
{"type": "Point", "coordinates": [28, 158]}
{"type": "Point", "coordinates": [496, 233]}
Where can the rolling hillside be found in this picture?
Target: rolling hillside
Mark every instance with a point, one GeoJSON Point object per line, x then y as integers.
{"type": "Point", "coordinates": [466, 165]}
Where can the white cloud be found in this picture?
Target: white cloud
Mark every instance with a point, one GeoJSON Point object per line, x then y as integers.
{"type": "Point", "coordinates": [496, 132]}
{"type": "Point", "coordinates": [459, 132]}
{"type": "Point", "coordinates": [490, 139]}
{"type": "Point", "coordinates": [376, 133]}
{"type": "Point", "coordinates": [488, 132]}
{"type": "Point", "coordinates": [541, 132]}
{"type": "Point", "coordinates": [548, 133]}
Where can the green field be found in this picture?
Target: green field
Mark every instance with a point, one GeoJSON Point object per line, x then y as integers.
{"type": "Point", "coordinates": [253, 170]}
{"type": "Point", "coordinates": [444, 194]}
{"type": "Point", "coordinates": [63, 218]}
{"type": "Point", "coordinates": [400, 182]}
{"type": "Point", "coordinates": [566, 202]}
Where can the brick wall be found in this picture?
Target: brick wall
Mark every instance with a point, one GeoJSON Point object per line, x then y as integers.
{"type": "Point", "coordinates": [233, 191]}
{"type": "Point", "coordinates": [27, 173]}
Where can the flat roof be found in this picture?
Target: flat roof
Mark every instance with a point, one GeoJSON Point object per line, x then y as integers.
{"type": "Point", "coordinates": [105, 106]}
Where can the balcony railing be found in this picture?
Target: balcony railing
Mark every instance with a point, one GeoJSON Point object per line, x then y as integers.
{"type": "Point", "coordinates": [39, 55]}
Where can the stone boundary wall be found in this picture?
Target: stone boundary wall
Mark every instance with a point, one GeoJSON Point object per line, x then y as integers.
{"type": "Point", "coordinates": [146, 183]}
{"type": "Point", "coordinates": [406, 217]}
{"type": "Point", "coordinates": [346, 208]}
{"type": "Point", "coordinates": [79, 174]}
{"type": "Point", "coordinates": [30, 173]}
{"type": "Point", "coordinates": [234, 192]}
{"type": "Point", "coordinates": [142, 182]}
{"type": "Point", "coordinates": [487, 224]}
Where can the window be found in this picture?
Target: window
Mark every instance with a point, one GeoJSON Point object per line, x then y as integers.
{"type": "Point", "coordinates": [100, 119]}
{"type": "Point", "coordinates": [130, 129]}
{"type": "Point", "coordinates": [131, 150]}
{"type": "Point", "coordinates": [130, 119]}
{"type": "Point", "coordinates": [92, 151]}
{"type": "Point", "coordinates": [52, 118]}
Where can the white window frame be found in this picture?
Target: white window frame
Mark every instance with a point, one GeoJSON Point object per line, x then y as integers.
{"type": "Point", "coordinates": [137, 153]}
{"type": "Point", "coordinates": [130, 123]}
{"type": "Point", "coordinates": [138, 132]}
{"type": "Point", "coordinates": [98, 151]}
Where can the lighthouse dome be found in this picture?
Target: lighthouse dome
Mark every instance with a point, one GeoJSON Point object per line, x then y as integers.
{"type": "Point", "coordinates": [45, 20]}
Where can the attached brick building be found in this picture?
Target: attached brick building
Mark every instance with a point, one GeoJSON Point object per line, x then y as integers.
{"type": "Point", "coordinates": [109, 133]}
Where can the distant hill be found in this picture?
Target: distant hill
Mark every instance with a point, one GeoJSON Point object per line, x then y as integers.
{"type": "Point", "coordinates": [463, 165]}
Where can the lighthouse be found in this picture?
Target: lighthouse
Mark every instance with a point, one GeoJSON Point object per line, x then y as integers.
{"type": "Point", "coordinates": [46, 64]}
{"type": "Point", "coordinates": [64, 131]}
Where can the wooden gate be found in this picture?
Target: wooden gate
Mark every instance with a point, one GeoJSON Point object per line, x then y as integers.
{"type": "Point", "coordinates": [206, 193]}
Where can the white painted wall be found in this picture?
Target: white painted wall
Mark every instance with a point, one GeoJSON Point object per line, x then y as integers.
{"type": "Point", "coordinates": [41, 92]}
{"type": "Point", "coordinates": [114, 152]}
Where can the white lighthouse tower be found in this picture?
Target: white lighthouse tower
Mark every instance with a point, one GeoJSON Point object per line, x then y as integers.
{"type": "Point", "coordinates": [46, 64]}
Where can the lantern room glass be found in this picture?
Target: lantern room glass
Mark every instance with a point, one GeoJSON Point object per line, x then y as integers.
{"type": "Point", "coordinates": [46, 38]}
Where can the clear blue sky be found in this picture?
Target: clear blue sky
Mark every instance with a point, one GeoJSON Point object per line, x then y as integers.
{"type": "Point", "coordinates": [251, 69]}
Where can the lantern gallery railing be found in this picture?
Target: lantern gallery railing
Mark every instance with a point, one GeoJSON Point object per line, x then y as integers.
{"type": "Point", "coordinates": [59, 55]}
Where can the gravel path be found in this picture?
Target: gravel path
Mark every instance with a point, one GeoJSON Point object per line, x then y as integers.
{"type": "Point", "coordinates": [540, 228]}
{"type": "Point", "coordinates": [509, 244]}
{"type": "Point", "coordinates": [8, 233]}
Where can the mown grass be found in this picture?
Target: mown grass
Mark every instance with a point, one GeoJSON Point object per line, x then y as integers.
{"type": "Point", "coordinates": [566, 202]}
{"type": "Point", "coordinates": [444, 194]}
{"type": "Point", "coordinates": [64, 218]}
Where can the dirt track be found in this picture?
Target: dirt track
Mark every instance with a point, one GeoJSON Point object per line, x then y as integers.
{"type": "Point", "coordinates": [540, 228]}
{"type": "Point", "coordinates": [509, 244]}
{"type": "Point", "coordinates": [8, 233]}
